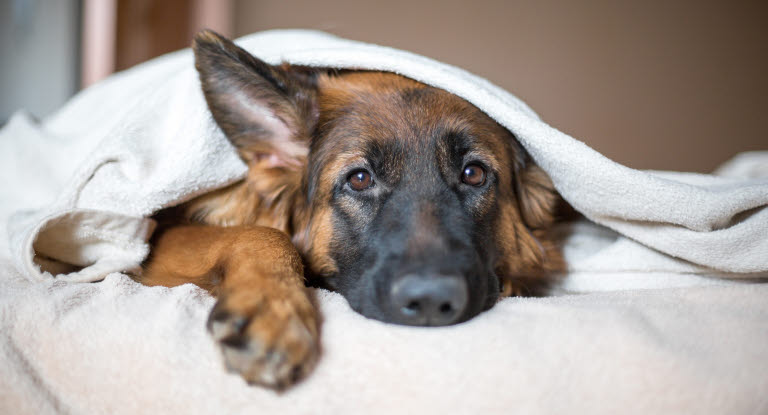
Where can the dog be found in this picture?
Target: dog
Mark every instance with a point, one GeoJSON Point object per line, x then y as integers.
{"type": "Point", "coordinates": [409, 201]}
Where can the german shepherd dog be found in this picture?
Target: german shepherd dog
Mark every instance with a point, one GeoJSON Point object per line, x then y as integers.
{"type": "Point", "coordinates": [409, 201]}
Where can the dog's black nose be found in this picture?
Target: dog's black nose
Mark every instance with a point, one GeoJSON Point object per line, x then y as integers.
{"type": "Point", "coordinates": [434, 300]}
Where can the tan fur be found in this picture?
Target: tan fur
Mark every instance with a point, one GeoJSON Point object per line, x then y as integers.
{"type": "Point", "coordinates": [246, 267]}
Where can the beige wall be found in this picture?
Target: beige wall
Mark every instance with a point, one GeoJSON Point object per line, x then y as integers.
{"type": "Point", "coordinates": [653, 84]}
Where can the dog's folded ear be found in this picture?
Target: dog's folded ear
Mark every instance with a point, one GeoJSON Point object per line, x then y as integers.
{"type": "Point", "coordinates": [267, 112]}
{"type": "Point", "coordinates": [536, 195]}
{"type": "Point", "coordinates": [535, 192]}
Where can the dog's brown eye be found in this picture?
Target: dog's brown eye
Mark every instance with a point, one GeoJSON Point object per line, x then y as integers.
{"type": "Point", "coordinates": [473, 175]}
{"type": "Point", "coordinates": [360, 180]}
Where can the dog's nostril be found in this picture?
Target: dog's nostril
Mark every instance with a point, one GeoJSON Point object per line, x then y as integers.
{"type": "Point", "coordinates": [413, 306]}
{"type": "Point", "coordinates": [446, 308]}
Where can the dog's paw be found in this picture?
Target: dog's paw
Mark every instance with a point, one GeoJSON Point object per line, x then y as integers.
{"type": "Point", "coordinates": [269, 340]}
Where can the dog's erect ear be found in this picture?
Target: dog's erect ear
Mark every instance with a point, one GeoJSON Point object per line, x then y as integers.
{"type": "Point", "coordinates": [266, 111]}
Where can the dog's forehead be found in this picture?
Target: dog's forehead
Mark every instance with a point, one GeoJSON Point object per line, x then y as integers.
{"type": "Point", "coordinates": [388, 113]}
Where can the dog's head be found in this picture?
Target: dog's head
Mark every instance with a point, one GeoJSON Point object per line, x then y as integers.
{"type": "Point", "coordinates": [408, 200]}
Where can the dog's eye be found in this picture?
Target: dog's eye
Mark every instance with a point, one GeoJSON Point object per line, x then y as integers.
{"type": "Point", "coordinates": [360, 180]}
{"type": "Point", "coordinates": [473, 175]}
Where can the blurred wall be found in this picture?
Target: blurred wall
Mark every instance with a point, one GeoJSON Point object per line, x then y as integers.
{"type": "Point", "coordinates": [652, 84]}
{"type": "Point", "coordinates": [39, 60]}
{"type": "Point", "coordinates": [148, 28]}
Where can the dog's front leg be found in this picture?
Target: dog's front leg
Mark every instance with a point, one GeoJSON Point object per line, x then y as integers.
{"type": "Point", "coordinates": [263, 320]}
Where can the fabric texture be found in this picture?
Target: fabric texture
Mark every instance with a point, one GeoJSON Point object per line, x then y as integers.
{"type": "Point", "coordinates": [121, 348]}
{"type": "Point", "coordinates": [671, 314]}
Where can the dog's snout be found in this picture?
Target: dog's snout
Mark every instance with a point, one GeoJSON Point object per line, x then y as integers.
{"type": "Point", "coordinates": [433, 300]}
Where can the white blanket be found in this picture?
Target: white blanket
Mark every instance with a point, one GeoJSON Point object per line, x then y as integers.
{"type": "Point", "coordinates": [665, 321]}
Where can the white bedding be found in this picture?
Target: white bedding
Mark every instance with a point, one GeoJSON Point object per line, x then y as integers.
{"type": "Point", "coordinates": [121, 348]}
{"type": "Point", "coordinates": [669, 315]}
